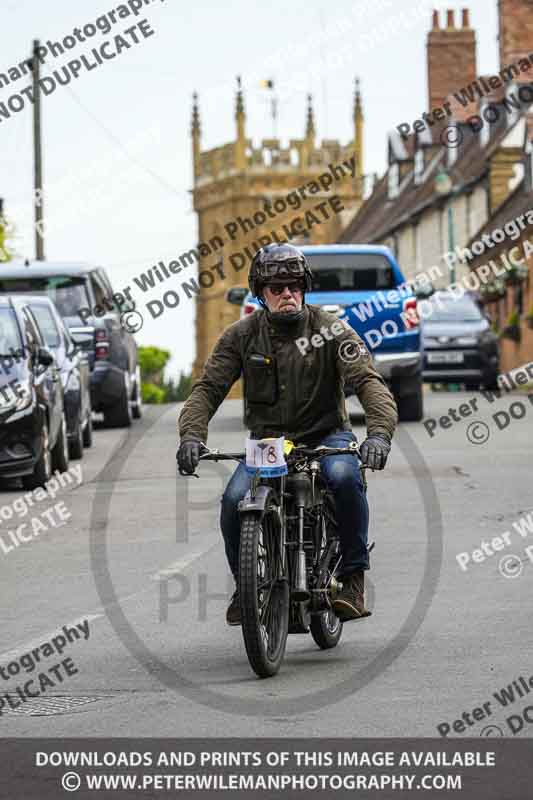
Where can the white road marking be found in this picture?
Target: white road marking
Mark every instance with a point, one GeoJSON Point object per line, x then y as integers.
{"type": "Point", "coordinates": [172, 569]}
{"type": "Point", "coordinates": [177, 567]}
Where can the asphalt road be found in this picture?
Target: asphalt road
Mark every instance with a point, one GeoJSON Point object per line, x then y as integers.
{"type": "Point", "coordinates": [159, 659]}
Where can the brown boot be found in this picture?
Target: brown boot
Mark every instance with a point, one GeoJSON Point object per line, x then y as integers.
{"type": "Point", "coordinates": [350, 603]}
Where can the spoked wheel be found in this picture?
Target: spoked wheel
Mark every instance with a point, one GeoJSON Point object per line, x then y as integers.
{"type": "Point", "coordinates": [326, 629]}
{"type": "Point", "coordinates": [264, 593]}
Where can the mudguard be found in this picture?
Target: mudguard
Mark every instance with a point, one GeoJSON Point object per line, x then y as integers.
{"type": "Point", "coordinates": [259, 502]}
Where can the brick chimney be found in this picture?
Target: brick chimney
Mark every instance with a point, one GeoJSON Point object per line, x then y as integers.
{"type": "Point", "coordinates": [451, 57]}
{"type": "Point", "coordinates": [516, 30]}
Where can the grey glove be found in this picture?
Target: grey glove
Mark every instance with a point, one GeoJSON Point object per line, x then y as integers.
{"type": "Point", "coordinates": [374, 451]}
{"type": "Point", "coordinates": [188, 455]}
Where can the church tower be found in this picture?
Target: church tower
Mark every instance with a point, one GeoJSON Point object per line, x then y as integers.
{"type": "Point", "coordinates": [246, 196]}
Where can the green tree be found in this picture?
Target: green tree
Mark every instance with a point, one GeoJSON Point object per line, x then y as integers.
{"type": "Point", "coordinates": [152, 361]}
{"type": "Point", "coordinates": [7, 232]}
{"type": "Point", "coordinates": [152, 394]}
{"type": "Point", "coordinates": [176, 393]}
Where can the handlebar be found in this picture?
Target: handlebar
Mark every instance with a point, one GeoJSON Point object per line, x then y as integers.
{"type": "Point", "coordinates": [296, 454]}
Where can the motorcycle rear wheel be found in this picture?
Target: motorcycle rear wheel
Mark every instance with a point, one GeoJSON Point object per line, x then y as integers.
{"type": "Point", "coordinates": [263, 593]}
{"type": "Point", "coordinates": [326, 629]}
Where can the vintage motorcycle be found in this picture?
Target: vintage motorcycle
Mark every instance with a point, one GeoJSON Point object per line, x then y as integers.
{"type": "Point", "coordinates": [289, 549]}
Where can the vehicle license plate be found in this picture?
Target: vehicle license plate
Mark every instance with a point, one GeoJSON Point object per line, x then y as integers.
{"type": "Point", "coordinates": [445, 358]}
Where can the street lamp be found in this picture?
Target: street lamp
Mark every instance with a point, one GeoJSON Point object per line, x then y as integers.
{"type": "Point", "coordinates": [444, 186]}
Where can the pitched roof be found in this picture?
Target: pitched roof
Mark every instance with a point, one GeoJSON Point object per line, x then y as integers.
{"type": "Point", "coordinates": [380, 216]}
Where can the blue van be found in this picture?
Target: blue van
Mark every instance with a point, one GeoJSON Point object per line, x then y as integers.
{"type": "Point", "coordinates": [364, 286]}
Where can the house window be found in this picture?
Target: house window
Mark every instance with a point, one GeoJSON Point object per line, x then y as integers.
{"type": "Point", "coordinates": [419, 166]}
{"type": "Point", "coordinates": [451, 157]}
{"type": "Point", "coordinates": [394, 180]}
{"type": "Point", "coordinates": [484, 135]}
{"type": "Point", "coordinates": [512, 104]}
{"type": "Point", "coordinates": [529, 167]}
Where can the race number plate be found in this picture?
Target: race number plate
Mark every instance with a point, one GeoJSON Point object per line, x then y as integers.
{"type": "Point", "coordinates": [266, 457]}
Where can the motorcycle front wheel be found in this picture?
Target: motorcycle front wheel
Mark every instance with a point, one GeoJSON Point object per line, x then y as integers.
{"type": "Point", "coordinates": [263, 592]}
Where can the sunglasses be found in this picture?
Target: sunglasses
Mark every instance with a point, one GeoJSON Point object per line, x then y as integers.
{"type": "Point", "coordinates": [277, 289]}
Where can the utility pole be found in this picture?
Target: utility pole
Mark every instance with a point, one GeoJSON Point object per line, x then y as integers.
{"type": "Point", "coordinates": [37, 156]}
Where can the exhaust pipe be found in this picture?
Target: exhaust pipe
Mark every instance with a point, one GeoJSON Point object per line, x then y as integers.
{"type": "Point", "coordinates": [300, 592]}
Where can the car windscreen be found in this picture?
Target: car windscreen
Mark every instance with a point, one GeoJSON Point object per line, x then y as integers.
{"type": "Point", "coordinates": [68, 294]}
{"type": "Point", "coordinates": [358, 272]}
{"type": "Point", "coordinates": [462, 310]}
{"type": "Point", "coordinates": [9, 333]}
{"type": "Point", "coordinates": [47, 324]}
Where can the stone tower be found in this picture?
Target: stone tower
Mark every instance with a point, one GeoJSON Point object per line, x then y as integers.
{"type": "Point", "coordinates": [246, 196]}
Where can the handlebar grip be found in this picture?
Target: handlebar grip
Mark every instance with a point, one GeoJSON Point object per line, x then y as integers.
{"type": "Point", "coordinates": [187, 474]}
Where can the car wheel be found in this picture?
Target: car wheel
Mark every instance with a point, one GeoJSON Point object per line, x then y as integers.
{"type": "Point", "coordinates": [411, 406]}
{"type": "Point", "coordinates": [88, 432]}
{"type": "Point", "coordinates": [119, 416]}
{"type": "Point", "coordinates": [137, 410]}
{"type": "Point", "coordinates": [60, 449]}
{"type": "Point", "coordinates": [492, 384]}
{"type": "Point", "coordinates": [42, 472]}
{"type": "Point", "coordinates": [75, 444]}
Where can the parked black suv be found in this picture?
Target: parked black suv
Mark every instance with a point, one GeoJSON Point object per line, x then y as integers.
{"type": "Point", "coordinates": [112, 351]}
{"type": "Point", "coordinates": [33, 430]}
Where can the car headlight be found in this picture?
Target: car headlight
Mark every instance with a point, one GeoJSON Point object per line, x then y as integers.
{"type": "Point", "coordinates": [466, 341]}
{"type": "Point", "coordinates": [15, 399]}
{"type": "Point", "coordinates": [430, 342]}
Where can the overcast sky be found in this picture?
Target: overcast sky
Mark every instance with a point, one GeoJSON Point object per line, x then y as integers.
{"type": "Point", "coordinates": [117, 154]}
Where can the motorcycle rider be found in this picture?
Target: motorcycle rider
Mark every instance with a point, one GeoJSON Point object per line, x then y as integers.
{"type": "Point", "coordinates": [297, 395]}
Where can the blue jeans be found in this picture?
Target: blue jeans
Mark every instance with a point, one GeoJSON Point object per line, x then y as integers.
{"type": "Point", "coordinates": [343, 478]}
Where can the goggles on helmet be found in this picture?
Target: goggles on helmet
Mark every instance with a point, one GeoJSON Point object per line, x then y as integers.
{"type": "Point", "coordinates": [284, 269]}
